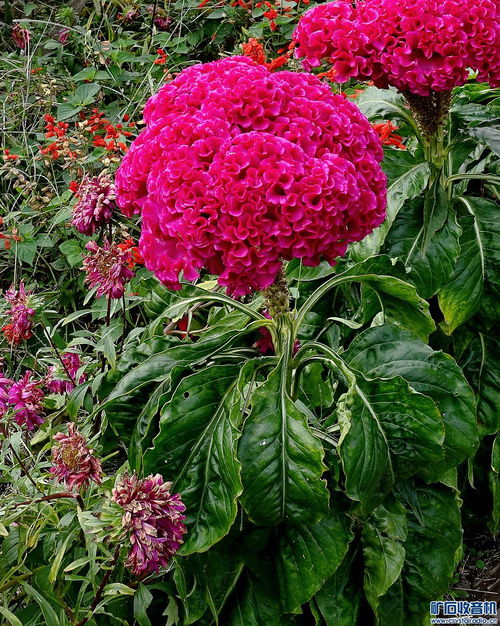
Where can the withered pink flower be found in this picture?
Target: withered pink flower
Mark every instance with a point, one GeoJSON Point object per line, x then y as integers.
{"type": "Point", "coordinates": [57, 376]}
{"type": "Point", "coordinates": [154, 519]}
{"type": "Point", "coordinates": [95, 205]}
{"type": "Point", "coordinates": [20, 313]}
{"type": "Point", "coordinates": [26, 397]}
{"type": "Point", "coordinates": [20, 36]}
{"type": "Point", "coordinates": [73, 462]}
{"type": "Point", "coordinates": [5, 385]}
{"type": "Point", "coordinates": [109, 268]}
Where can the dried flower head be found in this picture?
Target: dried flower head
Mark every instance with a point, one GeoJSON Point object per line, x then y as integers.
{"type": "Point", "coordinates": [20, 313]}
{"type": "Point", "coordinates": [26, 397]}
{"type": "Point", "coordinates": [109, 268]}
{"type": "Point", "coordinates": [60, 378]}
{"type": "Point", "coordinates": [73, 462]}
{"type": "Point", "coordinates": [95, 203]}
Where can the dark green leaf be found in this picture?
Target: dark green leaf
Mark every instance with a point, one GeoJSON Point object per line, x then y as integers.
{"type": "Point", "coordinates": [257, 604]}
{"type": "Point", "coordinates": [339, 600]}
{"type": "Point", "coordinates": [310, 554]}
{"type": "Point", "coordinates": [387, 351]}
{"type": "Point", "coordinates": [436, 205]}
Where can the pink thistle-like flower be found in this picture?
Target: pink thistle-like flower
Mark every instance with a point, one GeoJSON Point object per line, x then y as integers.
{"type": "Point", "coordinates": [5, 385]}
{"type": "Point", "coordinates": [26, 397]}
{"type": "Point", "coordinates": [20, 36]}
{"type": "Point", "coordinates": [21, 315]}
{"type": "Point", "coordinates": [108, 268]}
{"type": "Point", "coordinates": [240, 168]}
{"type": "Point", "coordinates": [95, 203]}
{"type": "Point", "coordinates": [72, 363]}
{"type": "Point", "coordinates": [418, 46]}
{"type": "Point", "coordinates": [73, 462]}
{"type": "Point", "coordinates": [63, 36]}
{"type": "Point", "coordinates": [154, 520]}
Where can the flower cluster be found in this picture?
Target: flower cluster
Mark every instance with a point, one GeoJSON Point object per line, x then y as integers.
{"type": "Point", "coordinates": [25, 398]}
{"type": "Point", "coordinates": [5, 385]}
{"type": "Point", "coordinates": [73, 462]}
{"type": "Point", "coordinates": [152, 518]}
{"type": "Point", "coordinates": [240, 168]}
{"type": "Point", "coordinates": [20, 36]}
{"type": "Point", "coordinates": [418, 46]}
{"type": "Point", "coordinates": [105, 134]}
{"type": "Point", "coordinates": [109, 268]}
{"type": "Point", "coordinates": [57, 376]}
{"type": "Point", "coordinates": [95, 203]}
{"type": "Point", "coordinates": [385, 130]}
{"type": "Point", "coordinates": [20, 313]}
{"type": "Point", "coordinates": [255, 51]}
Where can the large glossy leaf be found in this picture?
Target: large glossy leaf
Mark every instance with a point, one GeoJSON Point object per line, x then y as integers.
{"type": "Point", "coordinates": [383, 537]}
{"type": "Point", "coordinates": [257, 603]}
{"type": "Point", "coordinates": [436, 209]}
{"type": "Point", "coordinates": [384, 104]}
{"type": "Point", "coordinates": [432, 547]}
{"type": "Point", "coordinates": [389, 351]}
{"type": "Point", "coordinates": [339, 600]}
{"type": "Point", "coordinates": [282, 462]}
{"type": "Point", "coordinates": [407, 178]}
{"type": "Point", "coordinates": [490, 136]}
{"type": "Point", "coordinates": [196, 447]}
{"type": "Point", "coordinates": [478, 262]}
{"type": "Point", "coordinates": [308, 555]}
{"type": "Point", "coordinates": [495, 485]}
{"type": "Point", "coordinates": [387, 430]}
{"type": "Point", "coordinates": [429, 270]}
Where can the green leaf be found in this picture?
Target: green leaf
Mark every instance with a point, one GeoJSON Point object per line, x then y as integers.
{"type": "Point", "coordinates": [257, 604]}
{"type": "Point", "coordinates": [10, 617]}
{"type": "Point", "coordinates": [387, 430]}
{"type": "Point", "coordinates": [73, 251]}
{"type": "Point", "coordinates": [282, 462]}
{"type": "Point", "coordinates": [386, 351]}
{"type": "Point", "coordinates": [490, 136]}
{"type": "Point", "coordinates": [407, 179]}
{"type": "Point", "coordinates": [196, 446]}
{"type": "Point", "coordinates": [85, 93]}
{"type": "Point", "coordinates": [142, 600]}
{"type": "Point", "coordinates": [385, 104]}
{"type": "Point", "coordinates": [479, 258]}
{"type": "Point", "coordinates": [308, 555]}
{"type": "Point", "coordinates": [436, 205]}
{"type": "Point", "coordinates": [339, 600]}
{"type": "Point", "coordinates": [66, 110]}
{"type": "Point", "coordinates": [428, 270]}
{"type": "Point", "coordinates": [383, 538]}
{"type": "Point", "coordinates": [432, 548]}
{"type": "Point", "coordinates": [49, 614]}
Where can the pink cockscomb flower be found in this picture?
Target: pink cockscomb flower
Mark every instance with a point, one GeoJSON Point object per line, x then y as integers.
{"type": "Point", "coordinates": [240, 168]}
{"type": "Point", "coordinates": [5, 385]}
{"type": "Point", "coordinates": [25, 397]}
{"type": "Point", "coordinates": [109, 268]}
{"type": "Point", "coordinates": [418, 46]}
{"type": "Point", "coordinates": [60, 379]}
{"type": "Point", "coordinates": [20, 315]}
{"type": "Point", "coordinates": [20, 36]}
{"type": "Point", "coordinates": [95, 203]}
{"type": "Point", "coordinates": [152, 518]}
{"type": "Point", "coordinates": [73, 462]}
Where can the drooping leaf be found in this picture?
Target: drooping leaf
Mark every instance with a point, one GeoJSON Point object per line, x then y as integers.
{"type": "Point", "coordinates": [387, 430]}
{"type": "Point", "coordinates": [383, 538]}
{"type": "Point", "coordinates": [282, 462]}
{"type": "Point", "coordinates": [490, 136]}
{"type": "Point", "coordinates": [387, 351]}
{"type": "Point", "coordinates": [428, 270]}
{"type": "Point", "coordinates": [436, 208]}
{"type": "Point", "coordinates": [432, 547]}
{"type": "Point", "coordinates": [196, 448]}
{"type": "Point", "coordinates": [477, 263]}
{"type": "Point", "coordinates": [339, 600]}
{"type": "Point", "coordinates": [308, 555]}
{"type": "Point", "coordinates": [495, 485]}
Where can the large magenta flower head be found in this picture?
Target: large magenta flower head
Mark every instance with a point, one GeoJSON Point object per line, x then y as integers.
{"type": "Point", "coordinates": [108, 268]}
{"type": "Point", "coordinates": [239, 169]}
{"type": "Point", "coordinates": [63, 377]}
{"type": "Point", "coordinates": [25, 398]}
{"type": "Point", "coordinates": [418, 46]}
{"type": "Point", "coordinates": [95, 203]}
{"type": "Point", "coordinates": [73, 462]}
{"type": "Point", "coordinates": [143, 511]}
{"type": "Point", "coordinates": [20, 314]}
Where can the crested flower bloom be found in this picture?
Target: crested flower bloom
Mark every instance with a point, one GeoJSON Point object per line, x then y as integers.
{"type": "Point", "coordinates": [60, 379]}
{"type": "Point", "coordinates": [108, 268]}
{"type": "Point", "coordinates": [95, 203]}
{"type": "Point", "coordinates": [418, 46]}
{"type": "Point", "coordinates": [152, 518]}
{"type": "Point", "coordinates": [240, 168]}
{"type": "Point", "coordinates": [385, 130]}
{"type": "Point", "coordinates": [20, 314]}
{"type": "Point", "coordinates": [73, 462]}
{"type": "Point", "coordinates": [20, 36]}
{"type": "Point", "coordinates": [25, 397]}
{"type": "Point", "coordinates": [5, 385]}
